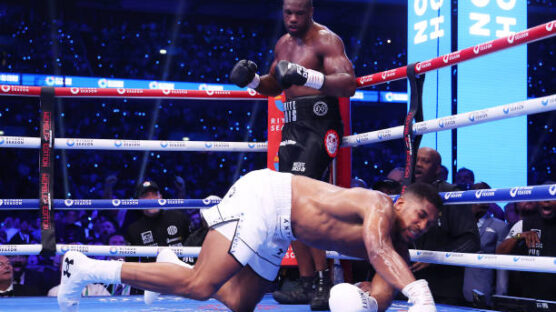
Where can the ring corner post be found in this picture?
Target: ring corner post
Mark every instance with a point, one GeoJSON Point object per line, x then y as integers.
{"type": "Point", "coordinates": [46, 171]}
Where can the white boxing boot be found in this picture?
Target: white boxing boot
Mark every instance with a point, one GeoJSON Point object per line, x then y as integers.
{"type": "Point", "coordinates": [79, 270]}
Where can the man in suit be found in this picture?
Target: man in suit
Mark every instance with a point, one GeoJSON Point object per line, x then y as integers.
{"type": "Point", "coordinates": [492, 232]}
{"type": "Point", "coordinates": [18, 281]}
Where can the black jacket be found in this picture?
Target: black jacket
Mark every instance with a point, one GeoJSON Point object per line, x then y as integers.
{"type": "Point", "coordinates": [456, 231]}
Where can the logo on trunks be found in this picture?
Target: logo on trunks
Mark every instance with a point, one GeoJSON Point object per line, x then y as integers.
{"type": "Point", "coordinates": [298, 166]}
{"type": "Point", "coordinates": [117, 143]}
{"type": "Point", "coordinates": [208, 145]}
{"type": "Point", "coordinates": [1, 202]}
{"type": "Point", "coordinates": [70, 142]}
{"type": "Point", "coordinates": [331, 143]}
{"type": "Point", "coordinates": [320, 108]}
{"type": "Point", "coordinates": [116, 202]}
{"type": "Point", "coordinates": [120, 90]}
{"type": "Point", "coordinates": [552, 190]}
{"type": "Point", "coordinates": [550, 26]}
{"type": "Point", "coordinates": [162, 202]}
{"type": "Point", "coordinates": [164, 144]}
{"type": "Point", "coordinates": [68, 202]}
{"type": "Point", "coordinates": [74, 90]}
{"type": "Point", "coordinates": [545, 102]}
{"type": "Point", "coordinates": [172, 230]}
{"type": "Point", "coordinates": [448, 255]}
{"type": "Point", "coordinates": [5, 88]}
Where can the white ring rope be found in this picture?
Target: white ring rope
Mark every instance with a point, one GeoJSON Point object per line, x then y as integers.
{"type": "Point", "coordinates": [532, 106]}
{"type": "Point", "coordinates": [488, 261]}
{"type": "Point", "coordinates": [135, 145]}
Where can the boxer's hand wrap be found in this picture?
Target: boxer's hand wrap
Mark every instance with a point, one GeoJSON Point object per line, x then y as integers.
{"type": "Point", "coordinates": [420, 295]}
{"type": "Point", "coordinates": [288, 74]}
{"type": "Point", "coordinates": [345, 297]}
{"type": "Point", "coordinates": [244, 74]}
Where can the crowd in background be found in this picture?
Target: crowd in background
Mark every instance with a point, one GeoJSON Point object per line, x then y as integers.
{"type": "Point", "coordinates": [198, 50]}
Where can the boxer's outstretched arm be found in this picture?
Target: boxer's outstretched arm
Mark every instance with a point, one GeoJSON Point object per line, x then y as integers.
{"type": "Point", "coordinates": [385, 259]}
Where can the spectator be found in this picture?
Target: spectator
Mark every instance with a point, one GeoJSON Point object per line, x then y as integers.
{"type": "Point", "coordinates": [157, 227]}
{"type": "Point", "coordinates": [121, 289]}
{"type": "Point", "coordinates": [387, 186]}
{"type": "Point", "coordinates": [443, 174]}
{"type": "Point", "coordinates": [106, 230]}
{"type": "Point", "coordinates": [465, 179]}
{"type": "Point", "coordinates": [357, 182]}
{"type": "Point", "coordinates": [17, 280]}
{"type": "Point", "coordinates": [535, 235]}
{"type": "Point", "coordinates": [492, 232]}
{"type": "Point", "coordinates": [456, 231]}
{"type": "Point", "coordinates": [396, 174]}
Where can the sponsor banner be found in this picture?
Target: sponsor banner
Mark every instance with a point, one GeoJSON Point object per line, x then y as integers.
{"type": "Point", "coordinates": [19, 90]}
{"type": "Point", "coordinates": [9, 78]}
{"type": "Point", "coordinates": [393, 97]}
{"type": "Point", "coordinates": [429, 36]}
{"type": "Point", "coordinates": [485, 27]}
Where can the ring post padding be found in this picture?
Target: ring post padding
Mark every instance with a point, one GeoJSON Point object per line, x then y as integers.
{"type": "Point", "coordinates": [412, 141]}
{"type": "Point", "coordinates": [46, 172]}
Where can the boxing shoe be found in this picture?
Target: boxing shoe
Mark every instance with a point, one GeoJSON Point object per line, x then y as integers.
{"type": "Point", "coordinates": [77, 271]}
{"type": "Point", "coordinates": [319, 300]}
{"type": "Point", "coordinates": [345, 297]}
{"type": "Point", "coordinates": [299, 295]}
{"type": "Point", "coordinates": [165, 255]}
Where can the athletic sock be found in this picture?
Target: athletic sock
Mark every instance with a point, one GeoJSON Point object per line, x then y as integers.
{"type": "Point", "coordinates": [101, 271]}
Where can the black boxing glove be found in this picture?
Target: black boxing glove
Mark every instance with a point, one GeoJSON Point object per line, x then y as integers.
{"type": "Point", "coordinates": [288, 74]}
{"type": "Point", "coordinates": [244, 74]}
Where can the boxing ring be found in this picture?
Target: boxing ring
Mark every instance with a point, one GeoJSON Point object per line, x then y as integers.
{"type": "Point", "coordinates": [46, 143]}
